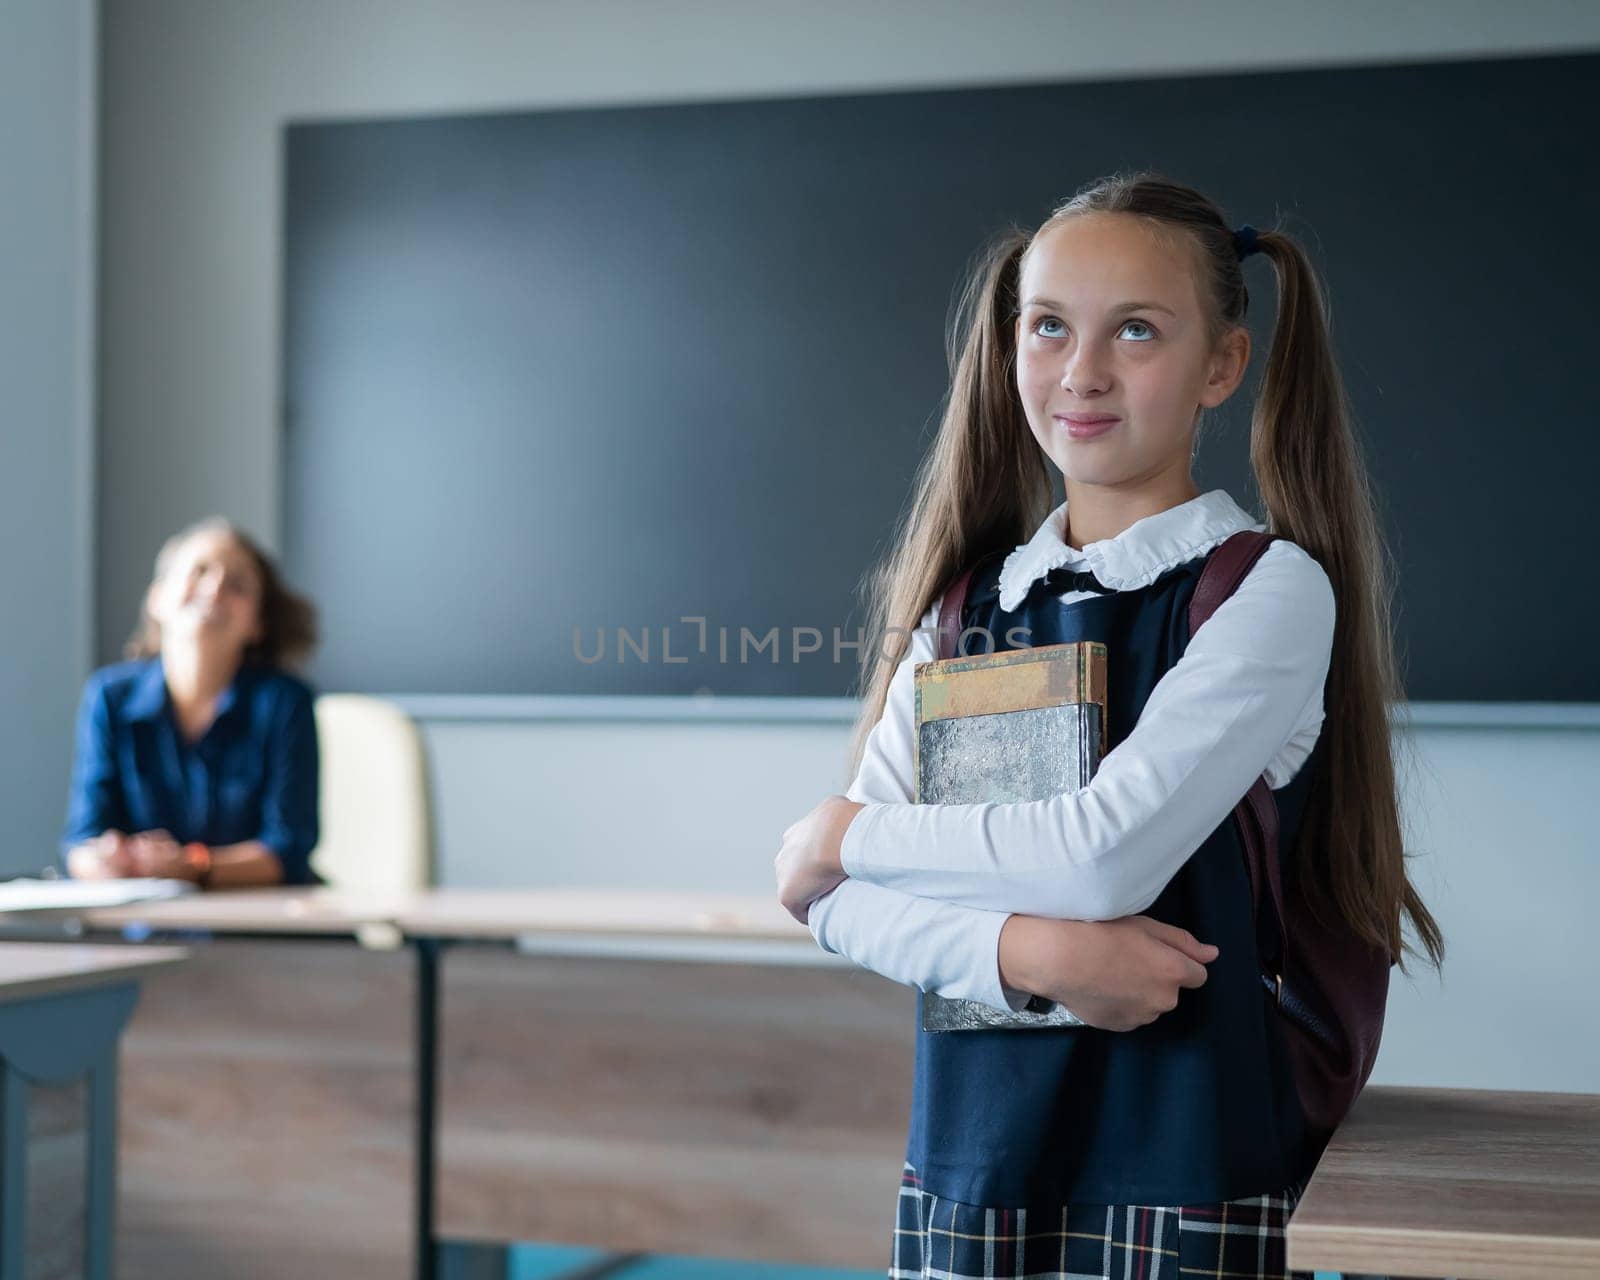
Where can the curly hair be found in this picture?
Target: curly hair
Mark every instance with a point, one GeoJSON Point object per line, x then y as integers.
{"type": "Point", "coordinates": [288, 619]}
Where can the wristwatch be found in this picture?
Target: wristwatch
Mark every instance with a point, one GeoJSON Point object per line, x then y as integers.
{"type": "Point", "coordinates": [199, 856]}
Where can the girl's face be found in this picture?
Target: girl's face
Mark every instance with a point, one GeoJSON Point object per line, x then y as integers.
{"type": "Point", "coordinates": [210, 594]}
{"type": "Point", "coordinates": [1111, 328]}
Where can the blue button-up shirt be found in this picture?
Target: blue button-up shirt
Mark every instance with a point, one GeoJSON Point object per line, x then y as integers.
{"type": "Point", "coordinates": [251, 776]}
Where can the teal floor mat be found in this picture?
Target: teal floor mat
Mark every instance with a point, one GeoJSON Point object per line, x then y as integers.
{"type": "Point", "coordinates": [548, 1262]}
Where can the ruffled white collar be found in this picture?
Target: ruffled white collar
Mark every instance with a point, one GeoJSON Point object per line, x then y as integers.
{"type": "Point", "coordinates": [1137, 556]}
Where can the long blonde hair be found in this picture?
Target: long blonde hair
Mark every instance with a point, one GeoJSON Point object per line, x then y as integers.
{"type": "Point", "coordinates": [985, 486]}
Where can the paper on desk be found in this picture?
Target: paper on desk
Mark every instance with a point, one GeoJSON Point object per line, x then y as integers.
{"type": "Point", "coordinates": [74, 895]}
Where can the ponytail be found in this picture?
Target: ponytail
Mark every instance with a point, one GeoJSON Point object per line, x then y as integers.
{"type": "Point", "coordinates": [1308, 466]}
{"type": "Point", "coordinates": [984, 485]}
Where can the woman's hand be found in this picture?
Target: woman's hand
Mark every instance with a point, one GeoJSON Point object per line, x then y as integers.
{"type": "Point", "coordinates": [156, 853]}
{"type": "Point", "coordinates": [1113, 974]}
{"type": "Point", "coordinates": [808, 863]}
{"type": "Point", "coordinates": [105, 857]}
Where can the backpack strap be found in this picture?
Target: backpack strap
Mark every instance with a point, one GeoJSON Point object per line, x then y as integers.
{"type": "Point", "coordinates": [1257, 813]}
{"type": "Point", "coordinates": [955, 596]}
{"type": "Point", "coordinates": [1334, 1000]}
{"type": "Point", "coordinates": [953, 602]}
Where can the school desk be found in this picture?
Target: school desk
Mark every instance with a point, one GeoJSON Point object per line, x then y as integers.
{"type": "Point", "coordinates": [62, 1009]}
{"type": "Point", "coordinates": [1464, 1183]}
{"type": "Point", "coordinates": [267, 1088]}
{"type": "Point", "coordinates": [660, 1072]}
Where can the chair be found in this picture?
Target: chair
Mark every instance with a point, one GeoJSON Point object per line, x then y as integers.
{"type": "Point", "coordinates": [376, 830]}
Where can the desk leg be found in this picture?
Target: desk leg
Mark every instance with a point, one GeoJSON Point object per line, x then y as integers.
{"type": "Point", "coordinates": [466, 1261]}
{"type": "Point", "coordinates": [427, 1015]}
{"type": "Point", "coordinates": [100, 1235]}
{"type": "Point", "coordinates": [13, 1170]}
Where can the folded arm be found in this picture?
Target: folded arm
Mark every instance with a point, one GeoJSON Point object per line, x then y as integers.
{"type": "Point", "coordinates": [942, 948]}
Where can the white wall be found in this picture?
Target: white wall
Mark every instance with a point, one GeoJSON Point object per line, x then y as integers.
{"type": "Point", "coordinates": [1505, 857]}
{"type": "Point", "coordinates": [47, 106]}
{"type": "Point", "coordinates": [196, 93]}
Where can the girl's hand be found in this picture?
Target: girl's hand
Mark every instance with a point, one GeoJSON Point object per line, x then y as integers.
{"type": "Point", "coordinates": [808, 863]}
{"type": "Point", "coordinates": [1113, 974]}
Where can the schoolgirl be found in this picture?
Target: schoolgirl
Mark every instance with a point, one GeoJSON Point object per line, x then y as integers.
{"type": "Point", "coordinates": [1166, 1136]}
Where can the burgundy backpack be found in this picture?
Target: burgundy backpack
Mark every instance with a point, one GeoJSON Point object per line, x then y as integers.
{"type": "Point", "coordinates": [1329, 985]}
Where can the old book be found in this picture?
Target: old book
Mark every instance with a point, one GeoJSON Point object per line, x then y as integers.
{"type": "Point", "coordinates": [1025, 724]}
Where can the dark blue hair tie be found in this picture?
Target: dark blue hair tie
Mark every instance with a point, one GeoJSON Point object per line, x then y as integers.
{"type": "Point", "coordinates": [1244, 242]}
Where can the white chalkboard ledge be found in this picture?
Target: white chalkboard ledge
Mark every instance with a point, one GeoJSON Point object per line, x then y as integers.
{"type": "Point", "coordinates": [797, 710]}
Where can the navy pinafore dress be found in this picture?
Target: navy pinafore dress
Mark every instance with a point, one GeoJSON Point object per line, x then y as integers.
{"type": "Point", "coordinates": [1176, 1148]}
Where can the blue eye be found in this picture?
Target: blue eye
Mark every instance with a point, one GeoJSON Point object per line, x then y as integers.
{"type": "Point", "coordinates": [1038, 327]}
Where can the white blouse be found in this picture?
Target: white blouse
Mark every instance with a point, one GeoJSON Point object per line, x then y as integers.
{"type": "Point", "coordinates": [931, 885]}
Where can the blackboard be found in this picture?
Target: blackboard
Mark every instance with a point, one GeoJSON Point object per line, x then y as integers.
{"type": "Point", "coordinates": [564, 379]}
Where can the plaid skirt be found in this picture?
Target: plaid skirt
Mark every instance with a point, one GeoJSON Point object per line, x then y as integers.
{"type": "Point", "coordinates": [939, 1239]}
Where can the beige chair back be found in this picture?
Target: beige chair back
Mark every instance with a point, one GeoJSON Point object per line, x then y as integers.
{"type": "Point", "coordinates": [376, 833]}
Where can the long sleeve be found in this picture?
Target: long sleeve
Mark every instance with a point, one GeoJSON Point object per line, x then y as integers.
{"type": "Point", "coordinates": [94, 802]}
{"type": "Point", "coordinates": [1236, 699]}
{"type": "Point", "coordinates": [289, 805]}
{"type": "Point", "coordinates": [942, 948]}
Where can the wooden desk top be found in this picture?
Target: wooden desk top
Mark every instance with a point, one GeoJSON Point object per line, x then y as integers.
{"type": "Point", "coordinates": [510, 913]}
{"type": "Point", "coordinates": [32, 969]}
{"type": "Point", "coordinates": [472, 914]}
{"type": "Point", "coordinates": [275, 910]}
{"type": "Point", "coordinates": [1457, 1182]}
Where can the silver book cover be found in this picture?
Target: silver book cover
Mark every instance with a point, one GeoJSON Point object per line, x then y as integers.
{"type": "Point", "coordinates": [967, 752]}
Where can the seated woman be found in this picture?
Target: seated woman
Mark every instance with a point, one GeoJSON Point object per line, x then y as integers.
{"type": "Point", "coordinates": [197, 759]}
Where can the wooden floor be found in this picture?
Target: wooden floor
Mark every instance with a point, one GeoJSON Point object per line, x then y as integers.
{"type": "Point", "coordinates": [671, 1107]}
{"type": "Point", "coordinates": [745, 1111]}
{"type": "Point", "coordinates": [266, 1116]}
